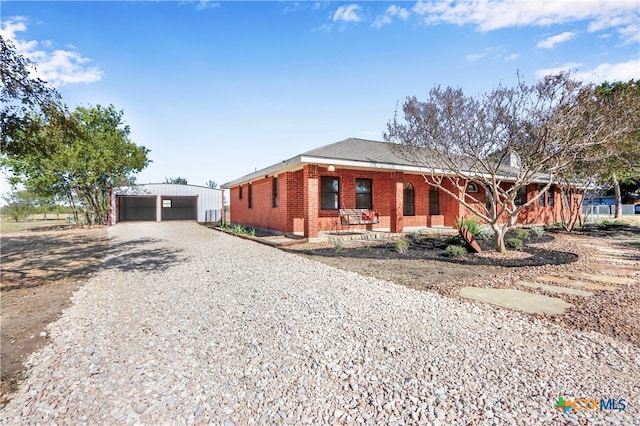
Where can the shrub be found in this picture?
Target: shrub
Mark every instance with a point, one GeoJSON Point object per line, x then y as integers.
{"type": "Point", "coordinates": [471, 224]}
{"type": "Point", "coordinates": [415, 237]}
{"type": "Point", "coordinates": [514, 242]}
{"type": "Point", "coordinates": [455, 250]}
{"type": "Point", "coordinates": [522, 234]}
{"type": "Point", "coordinates": [485, 232]}
{"type": "Point", "coordinates": [604, 223]}
{"type": "Point", "coordinates": [537, 231]}
{"type": "Point", "coordinates": [337, 244]}
{"type": "Point", "coordinates": [401, 245]}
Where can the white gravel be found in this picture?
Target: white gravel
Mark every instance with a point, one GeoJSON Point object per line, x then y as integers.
{"type": "Point", "coordinates": [191, 326]}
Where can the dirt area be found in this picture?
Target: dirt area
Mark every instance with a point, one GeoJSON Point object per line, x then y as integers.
{"type": "Point", "coordinates": [40, 271]}
{"type": "Point", "coordinates": [426, 266]}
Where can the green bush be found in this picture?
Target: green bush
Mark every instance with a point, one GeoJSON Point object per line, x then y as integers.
{"type": "Point", "coordinates": [537, 231]}
{"type": "Point", "coordinates": [337, 244]}
{"type": "Point", "coordinates": [522, 234]}
{"type": "Point", "coordinates": [514, 242]}
{"type": "Point", "coordinates": [414, 237]}
{"type": "Point", "coordinates": [455, 250]}
{"type": "Point", "coordinates": [401, 245]}
{"type": "Point", "coordinates": [471, 224]}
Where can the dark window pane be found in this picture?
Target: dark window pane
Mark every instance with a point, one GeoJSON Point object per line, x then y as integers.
{"type": "Point", "coordinates": [329, 192]}
{"type": "Point", "coordinates": [434, 201]}
{"type": "Point", "coordinates": [364, 200]}
{"type": "Point", "coordinates": [521, 196]}
{"type": "Point", "coordinates": [407, 200]}
{"type": "Point", "coordinates": [550, 197]}
{"type": "Point", "coordinates": [274, 189]}
{"type": "Point", "coordinates": [541, 199]}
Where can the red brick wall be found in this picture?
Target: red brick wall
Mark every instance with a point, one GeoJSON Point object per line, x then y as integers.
{"type": "Point", "coordinates": [299, 193]}
{"type": "Point", "coordinates": [262, 214]}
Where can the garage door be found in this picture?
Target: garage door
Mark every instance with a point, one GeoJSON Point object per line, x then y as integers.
{"type": "Point", "coordinates": [136, 208]}
{"type": "Point", "coordinates": [179, 208]}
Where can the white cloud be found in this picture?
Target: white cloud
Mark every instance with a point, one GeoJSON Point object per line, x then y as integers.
{"type": "Point", "coordinates": [489, 15]}
{"type": "Point", "coordinates": [512, 57]}
{"type": "Point", "coordinates": [552, 41]}
{"type": "Point", "coordinates": [207, 4]}
{"type": "Point", "coordinates": [387, 18]}
{"type": "Point", "coordinates": [57, 67]}
{"type": "Point", "coordinates": [474, 57]}
{"type": "Point", "coordinates": [348, 13]}
{"type": "Point", "coordinates": [622, 71]}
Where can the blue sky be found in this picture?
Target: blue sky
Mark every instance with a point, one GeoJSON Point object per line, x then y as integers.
{"type": "Point", "coordinates": [218, 89]}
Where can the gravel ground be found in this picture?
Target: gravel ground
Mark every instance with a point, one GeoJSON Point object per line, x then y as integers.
{"type": "Point", "coordinates": [192, 326]}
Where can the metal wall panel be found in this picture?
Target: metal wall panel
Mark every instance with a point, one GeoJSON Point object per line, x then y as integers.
{"type": "Point", "coordinates": [207, 198]}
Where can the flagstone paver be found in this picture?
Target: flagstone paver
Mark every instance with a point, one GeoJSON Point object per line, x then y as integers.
{"type": "Point", "coordinates": [599, 278]}
{"type": "Point", "coordinates": [576, 283]}
{"type": "Point", "coordinates": [618, 260]}
{"type": "Point", "coordinates": [556, 289]}
{"type": "Point", "coordinates": [516, 299]}
{"type": "Point", "coordinates": [614, 269]}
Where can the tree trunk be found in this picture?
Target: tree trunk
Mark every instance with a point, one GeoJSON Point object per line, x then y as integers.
{"type": "Point", "coordinates": [616, 188]}
{"type": "Point", "coordinates": [499, 232]}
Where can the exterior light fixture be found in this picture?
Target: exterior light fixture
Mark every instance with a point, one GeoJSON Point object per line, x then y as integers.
{"type": "Point", "coordinates": [331, 168]}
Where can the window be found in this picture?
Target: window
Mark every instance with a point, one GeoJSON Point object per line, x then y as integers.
{"type": "Point", "coordinates": [241, 192]}
{"type": "Point", "coordinates": [472, 187]}
{"type": "Point", "coordinates": [521, 196]}
{"type": "Point", "coordinates": [550, 195]}
{"type": "Point", "coordinates": [250, 196]}
{"type": "Point", "coordinates": [434, 201]}
{"type": "Point", "coordinates": [329, 193]}
{"type": "Point", "coordinates": [541, 198]}
{"type": "Point", "coordinates": [364, 200]}
{"type": "Point", "coordinates": [274, 191]}
{"type": "Point", "coordinates": [407, 200]}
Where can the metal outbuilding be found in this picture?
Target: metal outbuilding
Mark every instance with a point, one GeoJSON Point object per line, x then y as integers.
{"type": "Point", "coordinates": [166, 201]}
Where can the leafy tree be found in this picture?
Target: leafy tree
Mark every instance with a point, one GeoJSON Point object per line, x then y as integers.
{"type": "Point", "coordinates": [179, 180]}
{"type": "Point", "coordinates": [19, 205]}
{"type": "Point", "coordinates": [618, 161]}
{"type": "Point", "coordinates": [501, 141]}
{"type": "Point", "coordinates": [88, 154]}
{"type": "Point", "coordinates": [25, 103]}
{"type": "Point", "coordinates": [212, 184]}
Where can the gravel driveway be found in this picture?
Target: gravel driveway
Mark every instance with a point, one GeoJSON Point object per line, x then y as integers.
{"type": "Point", "coordinates": [192, 326]}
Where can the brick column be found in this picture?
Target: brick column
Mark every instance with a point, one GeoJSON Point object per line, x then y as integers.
{"type": "Point", "coordinates": [396, 194]}
{"type": "Point", "coordinates": [311, 200]}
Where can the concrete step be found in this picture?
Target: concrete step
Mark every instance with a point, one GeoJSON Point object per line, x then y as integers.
{"type": "Point", "coordinates": [556, 289]}
{"type": "Point", "coordinates": [516, 299]}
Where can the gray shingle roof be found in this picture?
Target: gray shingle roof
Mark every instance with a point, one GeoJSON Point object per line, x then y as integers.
{"type": "Point", "coordinates": [359, 150]}
{"type": "Point", "coordinates": [352, 149]}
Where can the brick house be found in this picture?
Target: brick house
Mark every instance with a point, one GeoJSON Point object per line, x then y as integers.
{"type": "Point", "coordinates": [310, 193]}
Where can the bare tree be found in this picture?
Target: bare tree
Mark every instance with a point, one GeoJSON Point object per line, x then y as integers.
{"type": "Point", "coordinates": [500, 141]}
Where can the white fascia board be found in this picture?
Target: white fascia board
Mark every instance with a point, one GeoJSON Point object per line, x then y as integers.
{"type": "Point", "coordinates": [289, 165]}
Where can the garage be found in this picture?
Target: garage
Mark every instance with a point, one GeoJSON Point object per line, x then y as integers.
{"type": "Point", "coordinates": [179, 208]}
{"type": "Point", "coordinates": [166, 201]}
{"type": "Point", "coordinates": [136, 208]}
